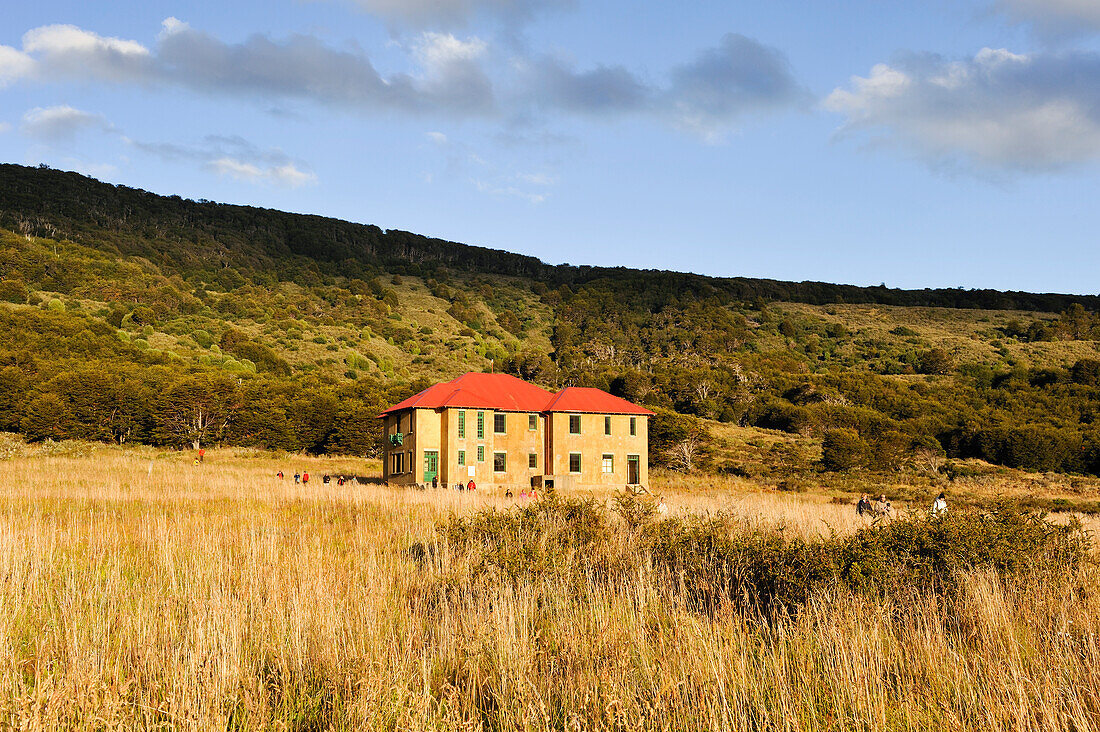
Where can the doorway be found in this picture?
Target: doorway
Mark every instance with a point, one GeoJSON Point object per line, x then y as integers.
{"type": "Point", "coordinates": [431, 465]}
{"type": "Point", "coordinates": [633, 469]}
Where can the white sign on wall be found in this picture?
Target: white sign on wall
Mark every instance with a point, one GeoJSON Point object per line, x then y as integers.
{"type": "Point", "coordinates": [471, 470]}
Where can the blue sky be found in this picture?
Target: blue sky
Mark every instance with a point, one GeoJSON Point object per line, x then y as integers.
{"type": "Point", "coordinates": [930, 144]}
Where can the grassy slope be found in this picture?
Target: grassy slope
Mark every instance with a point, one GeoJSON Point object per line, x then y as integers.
{"type": "Point", "coordinates": [140, 591]}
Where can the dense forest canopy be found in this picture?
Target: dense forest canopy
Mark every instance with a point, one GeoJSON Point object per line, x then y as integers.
{"type": "Point", "coordinates": [128, 316]}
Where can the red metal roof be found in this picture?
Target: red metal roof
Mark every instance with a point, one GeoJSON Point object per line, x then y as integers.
{"type": "Point", "coordinates": [500, 392]}
{"type": "Point", "coordinates": [592, 401]}
{"type": "Point", "coordinates": [505, 393]}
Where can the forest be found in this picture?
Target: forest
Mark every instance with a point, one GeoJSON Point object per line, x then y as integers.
{"type": "Point", "coordinates": [131, 317]}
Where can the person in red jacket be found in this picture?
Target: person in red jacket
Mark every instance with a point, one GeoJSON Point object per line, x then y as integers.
{"type": "Point", "coordinates": [305, 477]}
{"type": "Point", "coordinates": [471, 486]}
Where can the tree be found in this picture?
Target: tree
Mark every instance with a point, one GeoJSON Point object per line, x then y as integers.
{"type": "Point", "coordinates": [935, 361]}
{"type": "Point", "coordinates": [929, 454]}
{"type": "Point", "coordinates": [196, 409]}
{"type": "Point", "coordinates": [842, 449]}
{"type": "Point", "coordinates": [680, 440]}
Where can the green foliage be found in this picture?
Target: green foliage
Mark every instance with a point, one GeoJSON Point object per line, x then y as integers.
{"type": "Point", "coordinates": [691, 347]}
{"type": "Point", "coordinates": [935, 361]}
{"type": "Point", "coordinates": [202, 337]}
{"type": "Point", "coordinates": [13, 290]}
{"type": "Point", "coordinates": [843, 449]}
{"type": "Point", "coordinates": [55, 305]}
{"type": "Point", "coordinates": [719, 561]}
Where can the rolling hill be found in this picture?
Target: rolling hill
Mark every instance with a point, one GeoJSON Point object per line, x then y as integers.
{"type": "Point", "coordinates": [123, 310]}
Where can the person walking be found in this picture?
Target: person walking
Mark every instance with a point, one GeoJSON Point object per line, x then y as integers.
{"type": "Point", "coordinates": [297, 478]}
{"type": "Point", "coordinates": [471, 486]}
{"type": "Point", "coordinates": [883, 509]}
{"type": "Point", "coordinates": [864, 507]}
{"type": "Point", "coordinates": [305, 477]}
{"type": "Point", "coordinates": [435, 481]}
{"type": "Point", "coordinates": [939, 506]}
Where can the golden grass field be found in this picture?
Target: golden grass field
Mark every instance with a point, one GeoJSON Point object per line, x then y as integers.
{"type": "Point", "coordinates": [139, 591]}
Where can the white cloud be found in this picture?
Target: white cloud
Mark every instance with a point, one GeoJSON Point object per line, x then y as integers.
{"type": "Point", "coordinates": [66, 50]}
{"type": "Point", "coordinates": [287, 175]}
{"type": "Point", "coordinates": [997, 110]}
{"type": "Point", "coordinates": [14, 65]}
{"type": "Point", "coordinates": [4, 127]}
{"type": "Point", "coordinates": [510, 191]}
{"type": "Point", "coordinates": [61, 122]}
{"type": "Point", "coordinates": [437, 137]}
{"type": "Point", "coordinates": [537, 179]}
{"type": "Point", "coordinates": [449, 77]}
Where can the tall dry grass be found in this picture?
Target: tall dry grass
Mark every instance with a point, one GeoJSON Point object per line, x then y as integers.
{"type": "Point", "coordinates": [138, 591]}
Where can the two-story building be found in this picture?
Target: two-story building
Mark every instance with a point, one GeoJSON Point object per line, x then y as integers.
{"type": "Point", "coordinates": [500, 431]}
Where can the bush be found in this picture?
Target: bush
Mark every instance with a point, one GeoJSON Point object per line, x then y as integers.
{"type": "Point", "coordinates": [13, 291]}
{"type": "Point", "coordinates": [55, 305]}
{"type": "Point", "coordinates": [717, 560]}
{"type": "Point", "coordinates": [203, 338]}
{"type": "Point", "coordinates": [935, 361]}
{"type": "Point", "coordinates": [843, 449]}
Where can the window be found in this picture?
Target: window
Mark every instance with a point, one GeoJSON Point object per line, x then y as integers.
{"type": "Point", "coordinates": [500, 423]}
{"type": "Point", "coordinates": [532, 422]}
{"type": "Point", "coordinates": [574, 424]}
{"type": "Point", "coordinates": [574, 462]}
{"type": "Point", "coordinates": [633, 426]}
{"type": "Point", "coordinates": [461, 457]}
{"type": "Point", "coordinates": [481, 453]}
{"type": "Point", "coordinates": [607, 425]}
{"type": "Point", "coordinates": [481, 425]}
{"type": "Point", "coordinates": [532, 460]}
{"type": "Point", "coordinates": [462, 424]}
{"type": "Point", "coordinates": [500, 462]}
{"type": "Point", "coordinates": [608, 464]}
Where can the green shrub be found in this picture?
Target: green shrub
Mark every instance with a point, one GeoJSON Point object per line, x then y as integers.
{"type": "Point", "coordinates": [843, 449]}
{"type": "Point", "coordinates": [13, 290]}
{"type": "Point", "coordinates": [55, 305]}
{"type": "Point", "coordinates": [718, 561]}
{"type": "Point", "coordinates": [203, 338]}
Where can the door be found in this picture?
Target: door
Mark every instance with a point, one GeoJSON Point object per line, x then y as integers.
{"type": "Point", "coordinates": [633, 470]}
{"type": "Point", "coordinates": [431, 465]}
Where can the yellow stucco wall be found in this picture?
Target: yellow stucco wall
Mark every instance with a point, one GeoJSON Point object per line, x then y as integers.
{"type": "Point", "coordinates": [592, 444]}
{"type": "Point", "coordinates": [429, 429]}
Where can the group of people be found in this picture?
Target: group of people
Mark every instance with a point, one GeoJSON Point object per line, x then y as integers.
{"type": "Point", "coordinates": [881, 510]}
{"type": "Point", "coordinates": [303, 478]}
{"type": "Point", "coordinates": [525, 494]}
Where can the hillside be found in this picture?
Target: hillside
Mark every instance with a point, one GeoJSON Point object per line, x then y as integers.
{"type": "Point", "coordinates": [123, 310]}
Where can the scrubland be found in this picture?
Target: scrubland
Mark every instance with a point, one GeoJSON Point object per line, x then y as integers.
{"type": "Point", "coordinates": [139, 591]}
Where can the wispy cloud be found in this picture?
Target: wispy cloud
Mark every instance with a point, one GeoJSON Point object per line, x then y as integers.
{"type": "Point", "coordinates": [61, 122]}
{"type": "Point", "coordinates": [997, 110]}
{"type": "Point", "coordinates": [506, 190]}
{"type": "Point", "coordinates": [237, 158]}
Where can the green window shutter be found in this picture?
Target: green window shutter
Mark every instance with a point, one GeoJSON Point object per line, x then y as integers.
{"type": "Point", "coordinates": [481, 425]}
{"type": "Point", "coordinates": [462, 424]}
